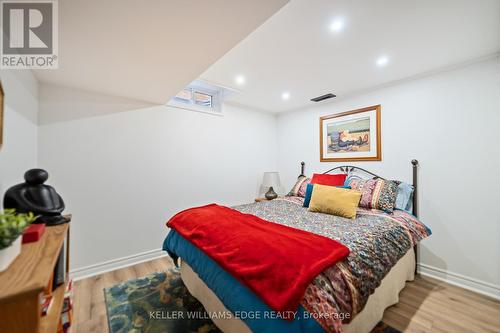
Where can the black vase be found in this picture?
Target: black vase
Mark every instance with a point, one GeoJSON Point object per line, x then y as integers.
{"type": "Point", "coordinates": [270, 195]}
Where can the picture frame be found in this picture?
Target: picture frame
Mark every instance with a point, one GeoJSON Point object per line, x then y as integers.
{"type": "Point", "coordinates": [1, 113]}
{"type": "Point", "coordinates": [351, 136]}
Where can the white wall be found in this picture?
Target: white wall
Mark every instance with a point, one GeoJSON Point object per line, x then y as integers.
{"type": "Point", "coordinates": [123, 174]}
{"type": "Point", "coordinates": [450, 123]}
{"type": "Point", "coordinates": [19, 150]}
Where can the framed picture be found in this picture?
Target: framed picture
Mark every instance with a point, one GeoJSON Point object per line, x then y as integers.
{"type": "Point", "coordinates": [351, 136]}
{"type": "Point", "coordinates": [1, 115]}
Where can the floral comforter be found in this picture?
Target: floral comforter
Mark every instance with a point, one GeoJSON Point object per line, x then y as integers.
{"type": "Point", "coordinates": [377, 240]}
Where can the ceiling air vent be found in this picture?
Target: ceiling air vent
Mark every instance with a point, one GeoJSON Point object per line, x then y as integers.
{"type": "Point", "coordinates": [323, 97]}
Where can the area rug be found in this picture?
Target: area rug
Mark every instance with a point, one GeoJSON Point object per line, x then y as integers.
{"type": "Point", "coordinates": [160, 303]}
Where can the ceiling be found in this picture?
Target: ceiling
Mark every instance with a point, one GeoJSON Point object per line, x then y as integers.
{"type": "Point", "coordinates": [296, 51]}
{"type": "Point", "coordinates": [148, 50]}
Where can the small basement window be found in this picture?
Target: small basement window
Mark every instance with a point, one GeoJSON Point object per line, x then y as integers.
{"type": "Point", "coordinates": [201, 96]}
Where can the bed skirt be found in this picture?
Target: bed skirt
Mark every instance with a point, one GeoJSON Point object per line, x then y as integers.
{"type": "Point", "coordinates": [384, 296]}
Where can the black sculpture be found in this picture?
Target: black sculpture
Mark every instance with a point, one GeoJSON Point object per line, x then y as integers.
{"type": "Point", "coordinates": [34, 196]}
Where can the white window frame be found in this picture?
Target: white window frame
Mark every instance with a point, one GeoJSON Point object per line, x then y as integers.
{"type": "Point", "coordinates": [217, 92]}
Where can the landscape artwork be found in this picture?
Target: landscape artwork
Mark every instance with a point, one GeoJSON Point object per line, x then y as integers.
{"type": "Point", "coordinates": [351, 136]}
{"type": "Point", "coordinates": [348, 136]}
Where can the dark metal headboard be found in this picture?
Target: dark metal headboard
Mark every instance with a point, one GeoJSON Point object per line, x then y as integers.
{"type": "Point", "coordinates": [350, 169]}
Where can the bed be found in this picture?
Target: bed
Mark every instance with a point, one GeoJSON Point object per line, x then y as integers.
{"type": "Point", "coordinates": [349, 296]}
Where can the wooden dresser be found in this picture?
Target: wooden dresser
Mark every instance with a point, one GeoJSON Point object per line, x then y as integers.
{"type": "Point", "coordinates": [22, 284]}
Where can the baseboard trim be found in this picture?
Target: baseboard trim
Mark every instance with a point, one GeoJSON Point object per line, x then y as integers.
{"type": "Point", "coordinates": [111, 265]}
{"type": "Point", "coordinates": [459, 280]}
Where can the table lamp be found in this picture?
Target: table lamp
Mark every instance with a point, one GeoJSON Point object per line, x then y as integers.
{"type": "Point", "coordinates": [271, 179]}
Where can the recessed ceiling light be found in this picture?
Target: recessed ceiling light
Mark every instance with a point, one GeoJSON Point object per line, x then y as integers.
{"type": "Point", "coordinates": [337, 25]}
{"type": "Point", "coordinates": [285, 96]}
{"type": "Point", "coordinates": [382, 61]}
{"type": "Point", "coordinates": [240, 80]}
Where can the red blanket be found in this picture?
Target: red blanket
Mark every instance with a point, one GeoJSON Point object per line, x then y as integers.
{"type": "Point", "coordinates": [275, 261]}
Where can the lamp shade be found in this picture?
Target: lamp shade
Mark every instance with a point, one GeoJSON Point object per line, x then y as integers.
{"type": "Point", "coordinates": [271, 179]}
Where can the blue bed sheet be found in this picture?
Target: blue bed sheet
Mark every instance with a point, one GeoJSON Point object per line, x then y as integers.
{"type": "Point", "coordinates": [236, 297]}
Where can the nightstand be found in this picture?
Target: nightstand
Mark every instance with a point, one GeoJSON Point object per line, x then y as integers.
{"type": "Point", "coordinates": [262, 199]}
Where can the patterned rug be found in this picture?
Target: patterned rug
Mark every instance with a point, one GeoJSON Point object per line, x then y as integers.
{"type": "Point", "coordinates": [160, 303]}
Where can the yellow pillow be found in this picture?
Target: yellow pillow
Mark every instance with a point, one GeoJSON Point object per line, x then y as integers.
{"type": "Point", "coordinates": [334, 201]}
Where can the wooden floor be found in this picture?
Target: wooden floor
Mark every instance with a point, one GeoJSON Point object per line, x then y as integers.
{"type": "Point", "coordinates": [425, 305]}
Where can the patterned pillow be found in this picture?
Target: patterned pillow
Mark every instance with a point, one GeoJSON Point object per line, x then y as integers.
{"type": "Point", "coordinates": [299, 189]}
{"type": "Point", "coordinates": [376, 193]}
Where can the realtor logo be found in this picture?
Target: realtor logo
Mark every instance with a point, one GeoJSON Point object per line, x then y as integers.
{"type": "Point", "coordinates": [29, 34]}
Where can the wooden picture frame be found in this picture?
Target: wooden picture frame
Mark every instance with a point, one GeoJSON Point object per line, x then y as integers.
{"type": "Point", "coordinates": [351, 136]}
{"type": "Point", "coordinates": [1, 114]}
